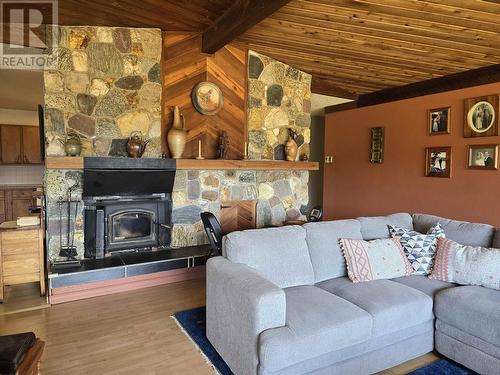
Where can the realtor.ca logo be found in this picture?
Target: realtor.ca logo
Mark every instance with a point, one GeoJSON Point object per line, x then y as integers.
{"type": "Point", "coordinates": [28, 40]}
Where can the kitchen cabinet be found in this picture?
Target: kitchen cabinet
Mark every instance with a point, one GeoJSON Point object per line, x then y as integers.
{"type": "Point", "coordinates": [15, 202]}
{"type": "Point", "coordinates": [19, 144]}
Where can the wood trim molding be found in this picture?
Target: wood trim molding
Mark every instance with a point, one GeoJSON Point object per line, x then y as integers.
{"type": "Point", "coordinates": [68, 162]}
{"type": "Point", "coordinates": [102, 288]}
{"type": "Point", "coordinates": [457, 81]}
{"type": "Point", "coordinates": [240, 17]}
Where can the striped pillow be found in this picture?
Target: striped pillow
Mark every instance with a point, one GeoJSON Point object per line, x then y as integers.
{"type": "Point", "coordinates": [374, 260]}
{"type": "Point", "coordinates": [466, 265]}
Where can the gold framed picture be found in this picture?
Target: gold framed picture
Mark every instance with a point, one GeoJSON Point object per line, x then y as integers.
{"type": "Point", "coordinates": [439, 121]}
{"type": "Point", "coordinates": [207, 98]}
{"type": "Point", "coordinates": [481, 116]}
{"type": "Point", "coordinates": [483, 157]}
{"type": "Point", "coordinates": [438, 162]}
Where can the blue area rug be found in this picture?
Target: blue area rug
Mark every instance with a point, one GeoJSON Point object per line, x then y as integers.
{"type": "Point", "coordinates": [194, 324]}
{"type": "Point", "coordinates": [443, 367]}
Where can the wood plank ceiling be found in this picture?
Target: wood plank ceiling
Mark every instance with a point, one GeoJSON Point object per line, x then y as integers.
{"type": "Point", "coordinates": [369, 45]}
{"type": "Point", "coordinates": [351, 47]}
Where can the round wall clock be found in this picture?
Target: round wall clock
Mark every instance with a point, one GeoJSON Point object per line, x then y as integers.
{"type": "Point", "coordinates": [207, 98]}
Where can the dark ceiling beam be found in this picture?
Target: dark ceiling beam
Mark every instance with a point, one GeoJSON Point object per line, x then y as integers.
{"type": "Point", "coordinates": [456, 81]}
{"type": "Point", "coordinates": [326, 87]}
{"type": "Point", "coordinates": [240, 17]}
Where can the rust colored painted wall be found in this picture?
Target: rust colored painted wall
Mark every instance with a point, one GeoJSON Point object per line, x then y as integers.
{"type": "Point", "coordinates": [354, 187]}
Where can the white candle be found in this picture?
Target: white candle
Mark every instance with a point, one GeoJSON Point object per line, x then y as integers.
{"type": "Point", "coordinates": [245, 151]}
{"type": "Point", "coordinates": [199, 148]}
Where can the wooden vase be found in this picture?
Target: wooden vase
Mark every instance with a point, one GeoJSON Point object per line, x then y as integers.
{"type": "Point", "coordinates": [176, 137]}
{"type": "Point", "coordinates": [291, 149]}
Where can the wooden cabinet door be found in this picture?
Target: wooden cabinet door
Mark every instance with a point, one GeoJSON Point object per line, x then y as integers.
{"type": "Point", "coordinates": [22, 200]}
{"type": "Point", "coordinates": [31, 145]}
{"type": "Point", "coordinates": [10, 138]}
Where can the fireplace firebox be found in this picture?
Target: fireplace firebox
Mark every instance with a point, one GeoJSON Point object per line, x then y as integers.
{"type": "Point", "coordinates": [128, 204]}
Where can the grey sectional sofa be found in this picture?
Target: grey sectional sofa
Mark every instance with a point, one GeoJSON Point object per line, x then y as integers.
{"type": "Point", "coordinates": [279, 302]}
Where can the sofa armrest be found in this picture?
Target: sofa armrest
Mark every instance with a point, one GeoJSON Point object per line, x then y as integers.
{"type": "Point", "coordinates": [240, 305]}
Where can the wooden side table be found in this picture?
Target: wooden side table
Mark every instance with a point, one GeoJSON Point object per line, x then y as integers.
{"type": "Point", "coordinates": [21, 256]}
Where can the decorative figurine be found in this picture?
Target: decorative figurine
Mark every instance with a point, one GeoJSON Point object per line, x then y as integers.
{"type": "Point", "coordinates": [291, 147]}
{"type": "Point", "coordinates": [223, 145]}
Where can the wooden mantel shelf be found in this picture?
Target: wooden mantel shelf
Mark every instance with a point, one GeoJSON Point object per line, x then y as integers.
{"type": "Point", "coordinates": [68, 162]}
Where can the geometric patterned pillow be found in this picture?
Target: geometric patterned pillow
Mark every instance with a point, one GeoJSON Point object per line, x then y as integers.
{"type": "Point", "coordinates": [419, 248]}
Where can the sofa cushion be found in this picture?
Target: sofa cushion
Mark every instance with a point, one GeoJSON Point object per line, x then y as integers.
{"type": "Point", "coordinates": [377, 226]}
{"type": "Point", "coordinates": [496, 239]}
{"type": "Point", "coordinates": [467, 265]}
{"type": "Point", "coordinates": [393, 306]}
{"type": "Point", "coordinates": [472, 309]}
{"type": "Point", "coordinates": [419, 248]}
{"type": "Point", "coordinates": [375, 259]}
{"type": "Point", "coordinates": [424, 284]}
{"type": "Point", "coordinates": [323, 243]}
{"type": "Point", "coordinates": [465, 233]}
{"type": "Point", "coordinates": [279, 254]}
{"type": "Point", "coordinates": [317, 322]}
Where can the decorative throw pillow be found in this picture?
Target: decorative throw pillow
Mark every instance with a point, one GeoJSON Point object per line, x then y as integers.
{"type": "Point", "coordinates": [466, 265]}
{"type": "Point", "coordinates": [419, 248]}
{"type": "Point", "coordinates": [376, 259]}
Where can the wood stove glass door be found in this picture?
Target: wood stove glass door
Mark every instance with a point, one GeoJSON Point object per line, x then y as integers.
{"type": "Point", "coordinates": [134, 228]}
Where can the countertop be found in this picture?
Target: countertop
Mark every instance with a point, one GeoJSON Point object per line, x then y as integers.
{"type": "Point", "coordinates": [12, 225]}
{"type": "Point", "coordinates": [19, 186]}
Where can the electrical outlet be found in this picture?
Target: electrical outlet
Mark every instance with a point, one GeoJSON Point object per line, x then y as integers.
{"type": "Point", "coordinates": [328, 159]}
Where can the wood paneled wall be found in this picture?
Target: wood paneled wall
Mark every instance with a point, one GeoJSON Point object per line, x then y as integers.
{"type": "Point", "coordinates": [184, 65]}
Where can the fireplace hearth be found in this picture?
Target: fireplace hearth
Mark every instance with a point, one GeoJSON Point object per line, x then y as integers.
{"type": "Point", "coordinates": [128, 205]}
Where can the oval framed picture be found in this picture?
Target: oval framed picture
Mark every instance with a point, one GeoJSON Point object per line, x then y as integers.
{"type": "Point", "coordinates": [481, 116]}
{"type": "Point", "coordinates": [207, 98]}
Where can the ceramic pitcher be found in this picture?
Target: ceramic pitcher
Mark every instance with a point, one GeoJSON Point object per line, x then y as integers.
{"type": "Point", "coordinates": [176, 137]}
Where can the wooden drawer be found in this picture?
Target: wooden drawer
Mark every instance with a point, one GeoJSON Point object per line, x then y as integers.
{"type": "Point", "coordinates": [21, 278]}
{"type": "Point", "coordinates": [20, 266]}
{"type": "Point", "coordinates": [13, 243]}
{"type": "Point", "coordinates": [22, 194]}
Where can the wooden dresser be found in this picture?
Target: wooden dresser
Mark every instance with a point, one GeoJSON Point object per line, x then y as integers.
{"type": "Point", "coordinates": [21, 256]}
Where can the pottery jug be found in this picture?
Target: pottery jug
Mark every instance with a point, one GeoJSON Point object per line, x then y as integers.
{"type": "Point", "coordinates": [72, 144]}
{"type": "Point", "coordinates": [291, 149]}
{"type": "Point", "coordinates": [136, 145]}
{"type": "Point", "coordinates": [176, 137]}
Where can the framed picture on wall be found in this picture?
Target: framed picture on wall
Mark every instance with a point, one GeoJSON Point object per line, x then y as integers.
{"type": "Point", "coordinates": [439, 121]}
{"type": "Point", "coordinates": [481, 116]}
{"type": "Point", "coordinates": [483, 157]}
{"type": "Point", "coordinates": [438, 162]}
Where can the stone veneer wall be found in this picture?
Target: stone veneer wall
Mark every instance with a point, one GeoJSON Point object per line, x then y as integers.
{"type": "Point", "coordinates": [279, 98]}
{"type": "Point", "coordinates": [280, 195]}
{"type": "Point", "coordinates": [106, 85]}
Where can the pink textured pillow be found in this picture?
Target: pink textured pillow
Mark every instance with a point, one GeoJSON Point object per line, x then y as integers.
{"type": "Point", "coordinates": [466, 265]}
{"type": "Point", "coordinates": [373, 260]}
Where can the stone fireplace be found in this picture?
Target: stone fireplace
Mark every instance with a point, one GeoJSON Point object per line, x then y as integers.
{"type": "Point", "coordinates": [105, 102]}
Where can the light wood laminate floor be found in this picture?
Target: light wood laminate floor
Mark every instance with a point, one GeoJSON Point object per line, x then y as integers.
{"type": "Point", "coordinates": [126, 333]}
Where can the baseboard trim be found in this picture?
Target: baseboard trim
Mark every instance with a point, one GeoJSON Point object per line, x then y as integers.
{"type": "Point", "coordinates": [102, 288]}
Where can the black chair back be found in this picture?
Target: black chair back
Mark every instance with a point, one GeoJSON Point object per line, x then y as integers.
{"type": "Point", "coordinates": [214, 232]}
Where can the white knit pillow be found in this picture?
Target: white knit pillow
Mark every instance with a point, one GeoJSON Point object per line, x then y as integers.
{"type": "Point", "coordinates": [466, 265]}
{"type": "Point", "coordinates": [376, 259]}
